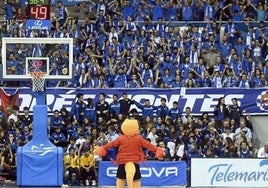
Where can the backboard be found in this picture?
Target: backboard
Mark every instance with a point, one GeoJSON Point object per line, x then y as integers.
{"type": "Point", "coordinates": [53, 56]}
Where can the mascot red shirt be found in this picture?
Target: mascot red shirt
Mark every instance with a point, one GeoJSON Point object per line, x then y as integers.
{"type": "Point", "coordinates": [129, 154]}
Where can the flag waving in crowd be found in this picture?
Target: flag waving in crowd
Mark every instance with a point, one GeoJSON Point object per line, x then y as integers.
{"type": "Point", "coordinates": [8, 101]}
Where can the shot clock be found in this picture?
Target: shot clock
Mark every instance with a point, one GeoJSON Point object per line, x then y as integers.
{"type": "Point", "coordinates": [38, 9]}
{"type": "Point", "coordinates": [38, 2]}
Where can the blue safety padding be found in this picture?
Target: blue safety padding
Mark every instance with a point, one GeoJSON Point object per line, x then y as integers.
{"type": "Point", "coordinates": [39, 162]}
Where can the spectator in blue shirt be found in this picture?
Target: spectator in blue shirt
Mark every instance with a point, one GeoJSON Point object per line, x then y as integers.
{"type": "Point", "coordinates": [158, 11]}
{"type": "Point", "coordinates": [9, 10]}
{"type": "Point", "coordinates": [178, 82]}
{"type": "Point", "coordinates": [171, 11]}
{"type": "Point", "coordinates": [149, 83]}
{"type": "Point", "coordinates": [187, 12]}
{"type": "Point", "coordinates": [231, 30]}
{"type": "Point", "coordinates": [75, 82]}
{"type": "Point", "coordinates": [62, 14]}
{"type": "Point", "coordinates": [147, 26]}
{"type": "Point", "coordinates": [146, 73]}
{"type": "Point", "coordinates": [106, 79]}
{"type": "Point", "coordinates": [128, 39]}
{"type": "Point", "coordinates": [101, 21]}
{"type": "Point", "coordinates": [71, 130]}
{"type": "Point", "coordinates": [262, 82]}
{"type": "Point", "coordinates": [78, 109]}
{"type": "Point", "coordinates": [192, 152]}
{"type": "Point", "coordinates": [58, 138]}
{"type": "Point", "coordinates": [256, 77]}
{"type": "Point", "coordinates": [139, 15]}
{"type": "Point", "coordinates": [209, 10]}
{"type": "Point", "coordinates": [120, 78]}
{"type": "Point", "coordinates": [243, 81]}
{"type": "Point", "coordinates": [220, 111]}
{"type": "Point", "coordinates": [248, 63]}
{"type": "Point", "coordinates": [240, 47]}
{"type": "Point", "coordinates": [162, 110]}
{"type": "Point", "coordinates": [167, 64]}
{"type": "Point", "coordinates": [225, 47]}
{"type": "Point", "coordinates": [66, 116]}
{"type": "Point", "coordinates": [198, 11]}
{"type": "Point", "coordinates": [237, 66]}
{"type": "Point", "coordinates": [230, 79]}
{"type": "Point", "coordinates": [238, 16]}
{"type": "Point", "coordinates": [134, 82]}
{"type": "Point", "coordinates": [208, 43]}
{"type": "Point", "coordinates": [12, 64]}
{"type": "Point", "coordinates": [90, 111]}
{"type": "Point", "coordinates": [128, 10]}
{"type": "Point", "coordinates": [55, 120]}
{"type": "Point", "coordinates": [174, 112]}
{"type": "Point", "coordinates": [115, 105]}
{"type": "Point", "coordinates": [185, 68]}
{"type": "Point", "coordinates": [167, 78]}
{"type": "Point", "coordinates": [147, 109]}
{"type": "Point", "coordinates": [161, 26]}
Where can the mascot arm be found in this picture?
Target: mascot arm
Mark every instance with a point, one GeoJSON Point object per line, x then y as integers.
{"type": "Point", "coordinates": [159, 152]}
{"type": "Point", "coordinates": [102, 151]}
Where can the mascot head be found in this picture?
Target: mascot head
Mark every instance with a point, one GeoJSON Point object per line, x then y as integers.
{"type": "Point", "coordinates": [130, 127]}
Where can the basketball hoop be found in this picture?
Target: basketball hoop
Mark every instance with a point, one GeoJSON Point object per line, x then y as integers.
{"type": "Point", "coordinates": [38, 81]}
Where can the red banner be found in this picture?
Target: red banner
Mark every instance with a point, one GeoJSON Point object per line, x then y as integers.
{"type": "Point", "coordinates": [8, 100]}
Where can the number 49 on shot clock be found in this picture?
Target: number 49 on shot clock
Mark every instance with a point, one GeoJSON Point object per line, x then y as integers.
{"type": "Point", "coordinates": [39, 9]}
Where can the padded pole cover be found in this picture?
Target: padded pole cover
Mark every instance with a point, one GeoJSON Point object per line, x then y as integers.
{"type": "Point", "coordinates": [39, 162]}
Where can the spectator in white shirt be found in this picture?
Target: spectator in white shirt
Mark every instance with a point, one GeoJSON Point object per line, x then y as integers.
{"type": "Point", "coordinates": [112, 134]}
{"type": "Point", "coordinates": [243, 129]}
{"type": "Point", "coordinates": [263, 151]}
{"type": "Point", "coordinates": [15, 113]}
{"type": "Point", "coordinates": [153, 136]}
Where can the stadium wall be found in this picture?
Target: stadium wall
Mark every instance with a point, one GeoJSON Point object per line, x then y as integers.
{"type": "Point", "coordinates": [260, 130]}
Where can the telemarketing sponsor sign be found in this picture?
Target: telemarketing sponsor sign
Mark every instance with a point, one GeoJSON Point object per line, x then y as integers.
{"type": "Point", "coordinates": [221, 172]}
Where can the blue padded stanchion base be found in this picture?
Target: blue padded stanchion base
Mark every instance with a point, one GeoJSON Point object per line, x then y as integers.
{"type": "Point", "coordinates": [39, 162]}
{"type": "Point", "coordinates": [40, 165]}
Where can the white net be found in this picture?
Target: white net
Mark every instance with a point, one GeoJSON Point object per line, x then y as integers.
{"type": "Point", "coordinates": [38, 81]}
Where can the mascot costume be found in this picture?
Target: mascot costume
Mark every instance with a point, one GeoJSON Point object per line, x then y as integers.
{"type": "Point", "coordinates": [130, 153]}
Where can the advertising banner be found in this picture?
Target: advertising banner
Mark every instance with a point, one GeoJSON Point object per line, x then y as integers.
{"type": "Point", "coordinates": [67, 2]}
{"type": "Point", "coordinates": [229, 172]}
{"type": "Point", "coordinates": [254, 101]}
{"type": "Point", "coordinates": [38, 24]}
{"type": "Point", "coordinates": [154, 173]}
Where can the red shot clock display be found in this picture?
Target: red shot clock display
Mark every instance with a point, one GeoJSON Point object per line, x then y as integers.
{"type": "Point", "coordinates": [38, 9]}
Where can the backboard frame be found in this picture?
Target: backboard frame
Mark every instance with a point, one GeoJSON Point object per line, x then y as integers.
{"type": "Point", "coordinates": [27, 76]}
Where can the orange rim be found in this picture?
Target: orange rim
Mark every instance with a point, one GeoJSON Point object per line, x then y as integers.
{"type": "Point", "coordinates": [37, 75]}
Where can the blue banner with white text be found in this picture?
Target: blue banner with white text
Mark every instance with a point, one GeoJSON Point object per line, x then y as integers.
{"type": "Point", "coordinates": [67, 2]}
{"type": "Point", "coordinates": [154, 173]}
{"type": "Point", "coordinates": [38, 24]}
{"type": "Point", "coordinates": [254, 101]}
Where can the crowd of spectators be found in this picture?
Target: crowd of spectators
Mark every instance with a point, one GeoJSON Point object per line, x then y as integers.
{"type": "Point", "coordinates": [133, 44]}
{"type": "Point", "coordinates": [228, 133]}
